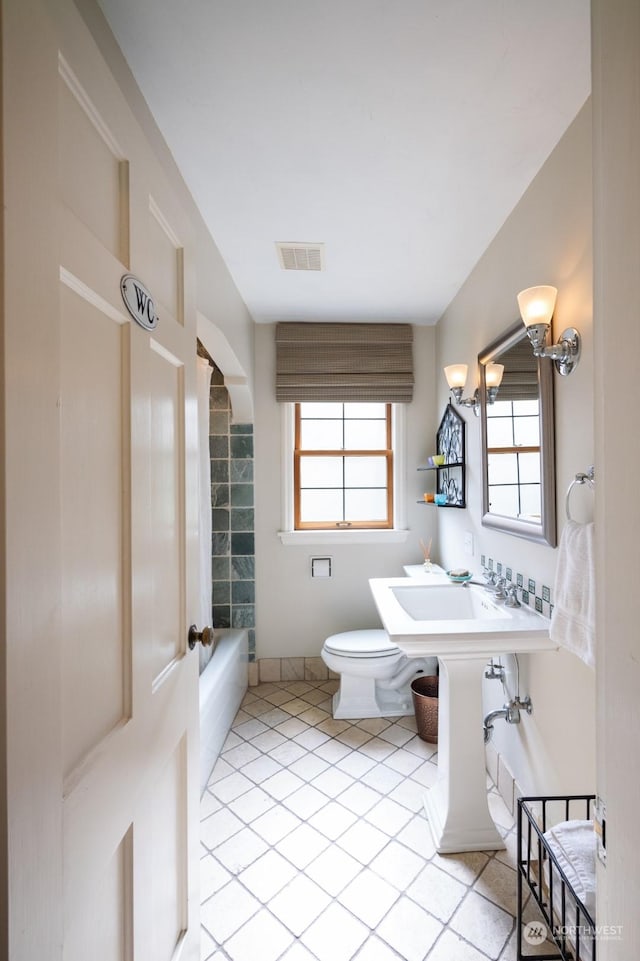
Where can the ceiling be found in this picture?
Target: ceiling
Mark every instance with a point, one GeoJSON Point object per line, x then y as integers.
{"type": "Point", "coordinates": [398, 133]}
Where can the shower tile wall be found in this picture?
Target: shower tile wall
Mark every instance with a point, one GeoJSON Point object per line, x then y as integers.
{"type": "Point", "coordinates": [233, 561]}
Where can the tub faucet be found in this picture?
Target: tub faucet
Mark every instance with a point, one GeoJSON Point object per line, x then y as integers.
{"type": "Point", "coordinates": [510, 712]}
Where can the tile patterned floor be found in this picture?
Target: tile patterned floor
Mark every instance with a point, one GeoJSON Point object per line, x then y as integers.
{"type": "Point", "coordinates": [315, 846]}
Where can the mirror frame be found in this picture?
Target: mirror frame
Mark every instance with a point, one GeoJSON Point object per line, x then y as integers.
{"type": "Point", "coordinates": [545, 531]}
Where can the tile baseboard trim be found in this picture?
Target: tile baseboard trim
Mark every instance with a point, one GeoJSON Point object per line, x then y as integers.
{"type": "Point", "coordinates": [269, 669]}
{"type": "Point", "coordinates": [502, 776]}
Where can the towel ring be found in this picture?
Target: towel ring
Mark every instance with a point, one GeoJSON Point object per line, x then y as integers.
{"type": "Point", "coordinates": [580, 478]}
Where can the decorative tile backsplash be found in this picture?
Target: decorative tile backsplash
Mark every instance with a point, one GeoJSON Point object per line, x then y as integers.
{"type": "Point", "coordinates": [233, 541]}
{"type": "Point", "coordinates": [530, 592]}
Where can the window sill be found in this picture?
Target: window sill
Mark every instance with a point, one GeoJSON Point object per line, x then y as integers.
{"type": "Point", "coordinates": [344, 537]}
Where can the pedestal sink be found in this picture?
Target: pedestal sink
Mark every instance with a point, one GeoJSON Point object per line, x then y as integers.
{"type": "Point", "coordinates": [463, 626]}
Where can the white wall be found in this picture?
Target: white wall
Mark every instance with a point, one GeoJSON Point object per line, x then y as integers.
{"type": "Point", "coordinates": [546, 240]}
{"type": "Point", "coordinates": [295, 613]}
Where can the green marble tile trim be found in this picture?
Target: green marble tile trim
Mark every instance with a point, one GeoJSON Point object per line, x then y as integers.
{"type": "Point", "coordinates": [242, 519]}
{"type": "Point", "coordinates": [242, 495]}
{"type": "Point", "coordinates": [232, 501]}
{"type": "Point", "coordinates": [241, 445]}
{"type": "Point", "coordinates": [243, 592]}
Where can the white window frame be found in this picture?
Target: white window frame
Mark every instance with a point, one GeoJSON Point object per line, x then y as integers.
{"type": "Point", "coordinates": [395, 535]}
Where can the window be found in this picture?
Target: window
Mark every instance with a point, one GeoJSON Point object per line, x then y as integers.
{"type": "Point", "coordinates": [343, 466]}
{"type": "Point", "coordinates": [513, 458]}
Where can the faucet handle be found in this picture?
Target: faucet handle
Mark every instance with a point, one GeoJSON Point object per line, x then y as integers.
{"type": "Point", "coordinates": [489, 576]}
{"type": "Point", "coordinates": [500, 586]}
{"type": "Point", "coordinates": [512, 597]}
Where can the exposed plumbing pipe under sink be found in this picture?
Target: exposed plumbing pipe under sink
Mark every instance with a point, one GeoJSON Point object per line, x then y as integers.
{"type": "Point", "coordinates": [510, 712]}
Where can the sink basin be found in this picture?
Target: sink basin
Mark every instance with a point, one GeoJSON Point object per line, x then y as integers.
{"type": "Point", "coordinates": [446, 603]}
{"type": "Point", "coordinates": [435, 618]}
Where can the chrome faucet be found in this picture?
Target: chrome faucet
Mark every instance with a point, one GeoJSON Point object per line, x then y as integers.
{"type": "Point", "coordinates": [494, 584]}
{"type": "Point", "coordinates": [512, 597]}
{"type": "Point", "coordinates": [490, 578]}
{"type": "Point", "coordinates": [510, 712]}
{"type": "Point", "coordinates": [500, 588]}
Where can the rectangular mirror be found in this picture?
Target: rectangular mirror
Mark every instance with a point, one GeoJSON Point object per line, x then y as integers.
{"type": "Point", "coordinates": [518, 445]}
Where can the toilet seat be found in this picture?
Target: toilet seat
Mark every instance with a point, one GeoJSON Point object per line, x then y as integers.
{"type": "Point", "coordinates": [367, 643]}
{"type": "Point", "coordinates": [375, 674]}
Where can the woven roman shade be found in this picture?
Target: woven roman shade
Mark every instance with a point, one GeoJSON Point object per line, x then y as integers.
{"type": "Point", "coordinates": [520, 378]}
{"type": "Point", "coordinates": [344, 362]}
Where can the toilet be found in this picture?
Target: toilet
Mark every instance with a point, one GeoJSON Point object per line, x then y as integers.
{"type": "Point", "coordinates": [375, 675]}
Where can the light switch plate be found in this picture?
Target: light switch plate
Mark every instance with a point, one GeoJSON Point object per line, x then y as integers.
{"type": "Point", "coordinates": [468, 543]}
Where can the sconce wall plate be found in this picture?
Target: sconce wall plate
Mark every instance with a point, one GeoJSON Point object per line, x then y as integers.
{"type": "Point", "coordinates": [571, 345]}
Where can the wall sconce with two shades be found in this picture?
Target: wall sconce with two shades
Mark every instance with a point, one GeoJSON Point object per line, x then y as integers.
{"type": "Point", "coordinates": [456, 375]}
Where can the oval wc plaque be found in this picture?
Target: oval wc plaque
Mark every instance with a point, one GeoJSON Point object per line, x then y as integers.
{"type": "Point", "coordinates": [138, 302]}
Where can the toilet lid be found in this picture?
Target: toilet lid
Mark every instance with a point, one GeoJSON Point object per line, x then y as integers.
{"type": "Point", "coordinates": [369, 643]}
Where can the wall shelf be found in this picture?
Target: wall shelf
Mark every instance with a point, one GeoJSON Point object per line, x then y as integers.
{"type": "Point", "coordinates": [450, 477]}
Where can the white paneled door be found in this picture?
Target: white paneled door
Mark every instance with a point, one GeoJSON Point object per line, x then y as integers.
{"type": "Point", "coordinates": [100, 414]}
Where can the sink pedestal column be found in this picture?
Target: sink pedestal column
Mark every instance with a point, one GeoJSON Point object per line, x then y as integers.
{"type": "Point", "coordinates": [456, 806]}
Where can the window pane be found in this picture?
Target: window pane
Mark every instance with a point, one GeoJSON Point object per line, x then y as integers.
{"type": "Point", "coordinates": [504, 500]}
{"type": "Point", "coordinates": [530, 468]}
{"type": "Point", "coordinates": [360, 411]}
{"type": "Point", "coordinates": [318, 506]}
{"type": "Point", "coordinates": [321, 435]}
{"type": "Point", "coordinates": [524, 408]}
{"type": "Point", "coordinates": [502, 469]}
{"type": "Point", "coordinates": [321, 410]}
{"type": "Point", "coordinates": [499, 432]}
{"type": "Point", "coordinates": [321, 471]}
{"type": "Point", "coordinates": [530, 502]}
{"type": "Point", "coordinates": [526, 431]}
{"type": "Point", "coordinates": [365, 472]}
{"type": "Point", "coordinates": [365, 435]}
{"type": "Point", "coordinates": [366, 505]}
{"type": "Point", "coordinates": [501, 408]}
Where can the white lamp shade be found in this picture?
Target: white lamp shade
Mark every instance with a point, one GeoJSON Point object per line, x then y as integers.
{"type": "Point", "coordinates": [493, 375]}
{"type": "Point", "coordinates": [537, 304]}
{"type": "Point", "coordinates": [456, 375]}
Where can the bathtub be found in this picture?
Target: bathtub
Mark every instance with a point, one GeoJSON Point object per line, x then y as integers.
{"type": "Point", "coordinates": [223, 683]}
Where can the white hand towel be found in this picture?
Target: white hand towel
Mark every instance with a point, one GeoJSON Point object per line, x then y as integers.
{"type": "Point", "coordinates": [573, 618]}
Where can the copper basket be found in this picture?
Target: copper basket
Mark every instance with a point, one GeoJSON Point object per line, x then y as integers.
{"type": "Point", "coordinates": [424, 691]}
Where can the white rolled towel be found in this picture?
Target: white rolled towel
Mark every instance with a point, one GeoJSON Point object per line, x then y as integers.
{"type": "Point", "coordinates": [573, 618]}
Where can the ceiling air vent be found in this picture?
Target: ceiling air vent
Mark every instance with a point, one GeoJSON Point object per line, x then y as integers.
{"type": "Point", "coordinates": [301, 256]}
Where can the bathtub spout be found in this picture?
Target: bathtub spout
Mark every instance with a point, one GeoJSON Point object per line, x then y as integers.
{"type": "Point", "coordinates": [510, 712]}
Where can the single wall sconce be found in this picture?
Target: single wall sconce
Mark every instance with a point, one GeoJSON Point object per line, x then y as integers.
{"type": "Point", "coordinates": [536, 308]}
{"type": "Point", "coordinates": [456, 375]}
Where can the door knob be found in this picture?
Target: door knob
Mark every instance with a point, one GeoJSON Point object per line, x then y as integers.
{"type": "Point", "coordinates": [205, 636]}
